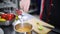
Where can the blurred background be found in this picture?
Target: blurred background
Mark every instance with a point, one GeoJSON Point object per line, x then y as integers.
{"type": "Point", "coordinates": [45, 10]}
{"type": "Point", "coordinates": [48, 11]}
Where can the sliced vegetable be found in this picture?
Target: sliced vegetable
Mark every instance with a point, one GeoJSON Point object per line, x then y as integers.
{"type": "Point", "coordinates": [40, 28]}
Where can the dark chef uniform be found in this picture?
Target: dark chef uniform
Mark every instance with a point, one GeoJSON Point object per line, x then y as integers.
{"type": "Point", "coordinates": [51, 13]}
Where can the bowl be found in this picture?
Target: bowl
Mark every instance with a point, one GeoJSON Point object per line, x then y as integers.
{"type": "Point", "coordinates": [26, 27]}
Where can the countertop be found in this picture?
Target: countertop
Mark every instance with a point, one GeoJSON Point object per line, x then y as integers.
{"type": "Point", "coordinates": [33, 21]}
{"type": "Point", "coordinates": [10, 30]}
{"type": "Point", "coordinates": [45, 26]}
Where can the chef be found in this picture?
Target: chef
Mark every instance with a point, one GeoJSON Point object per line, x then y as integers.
{"type": "Point", "coordinates": [24, 4]}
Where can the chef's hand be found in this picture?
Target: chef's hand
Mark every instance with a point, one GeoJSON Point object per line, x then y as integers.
{"type": "Point", "coordinates": [19, 12]}
{"type": "Point", "coordinates": [24, 4]}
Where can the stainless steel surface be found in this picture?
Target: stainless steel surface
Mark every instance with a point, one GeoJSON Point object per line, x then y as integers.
{"type": "Point", "coordinates": [11, 4]}
{"type": "Point", "coordinates": [8, 3]}
{"type": "Point", "coordinates": [10, 30]}
{"type": "Point", "coordinates": [1, 31]}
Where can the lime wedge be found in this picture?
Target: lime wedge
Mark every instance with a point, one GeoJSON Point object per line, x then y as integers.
{"type": "Point", "coordinates": [40, 28]}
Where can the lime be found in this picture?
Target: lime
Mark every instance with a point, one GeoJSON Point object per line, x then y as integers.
{"type": "Point", "coordinates": [40, 28]}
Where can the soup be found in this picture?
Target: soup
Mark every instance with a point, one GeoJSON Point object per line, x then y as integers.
{"type": "Point", "coordinates": [26, 27]}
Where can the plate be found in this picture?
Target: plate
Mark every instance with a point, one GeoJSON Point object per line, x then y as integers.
{"type": "Point", "coordinates": [1, 31]}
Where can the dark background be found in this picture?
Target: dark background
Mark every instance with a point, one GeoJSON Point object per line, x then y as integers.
{"type": "Point", "coordinates": [51, 14]}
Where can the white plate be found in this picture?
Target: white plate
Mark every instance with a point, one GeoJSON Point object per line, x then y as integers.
{"type": "Point", "coordinates": [1, 31]}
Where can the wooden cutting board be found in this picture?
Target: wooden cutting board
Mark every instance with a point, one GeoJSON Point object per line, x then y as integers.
{"type": "Point", "coordinates": [37, 23]}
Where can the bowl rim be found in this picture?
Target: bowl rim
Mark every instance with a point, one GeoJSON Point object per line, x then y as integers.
{"type": "Point", "coordinates": [22, 32]}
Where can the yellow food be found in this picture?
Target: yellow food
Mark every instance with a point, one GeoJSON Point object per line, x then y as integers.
{"type": "Point", "coordinates": [25, 28]}
{"type": "Point", "coordinates": [16, 17]}
{"type": "Point", "coordinates": [2, 20]}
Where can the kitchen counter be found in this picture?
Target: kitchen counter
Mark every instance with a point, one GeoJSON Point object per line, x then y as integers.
{"type": "Point", "coordinates": [36, 23]}
{"type": "Point", "coordinates": [10, 30]}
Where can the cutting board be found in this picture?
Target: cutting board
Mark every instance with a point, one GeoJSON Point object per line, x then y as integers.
{"type": "Point", "coordinates": [36, 23]}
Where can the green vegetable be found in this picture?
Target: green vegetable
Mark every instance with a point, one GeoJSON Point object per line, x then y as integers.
{"type": "Point", "coordinates": [40, 28]}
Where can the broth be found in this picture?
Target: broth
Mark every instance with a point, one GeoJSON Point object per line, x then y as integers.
{"type": "Point", "coordinates": [26, 27]}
